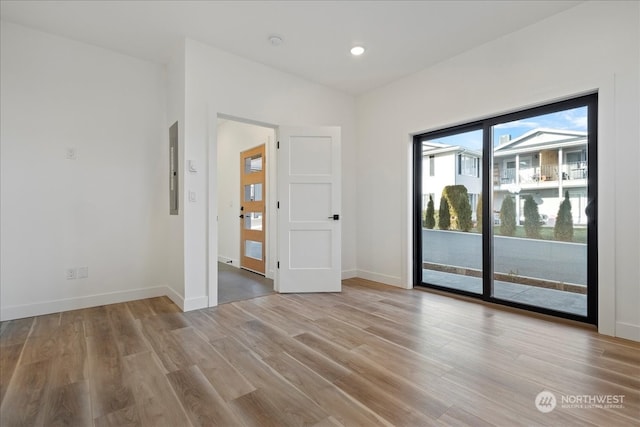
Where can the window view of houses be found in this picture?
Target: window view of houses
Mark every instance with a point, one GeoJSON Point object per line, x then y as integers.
{"type": "Point", "coordinates": [544, 164]}
{"type": "Point", "coordinates": [539, 181]}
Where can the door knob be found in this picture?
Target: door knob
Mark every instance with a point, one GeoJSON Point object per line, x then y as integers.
{"type": "Point", "coordinates": [334, 217]}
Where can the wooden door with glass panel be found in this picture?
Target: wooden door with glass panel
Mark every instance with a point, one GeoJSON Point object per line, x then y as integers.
{"type": "Point", "coordinates": [252, 209]}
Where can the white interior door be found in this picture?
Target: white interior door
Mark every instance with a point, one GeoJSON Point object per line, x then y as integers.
{"type": "Point", "coordinates": [309, 232]}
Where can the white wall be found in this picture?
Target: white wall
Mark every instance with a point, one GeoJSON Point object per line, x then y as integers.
{"type": "Point", "coordinates": [175, 226]}
{"type": "Point", "coordinates": [220, 83]}
{"type": "Point", "coordinates": [233, 138]}
{"type": "Point", "coordinates": [107, 210]}
{"type": "Point", "coordinates": [592, 46]}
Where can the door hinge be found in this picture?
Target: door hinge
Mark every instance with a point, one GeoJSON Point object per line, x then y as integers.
{"type": "Point", "coordinates": [278, 205]}
{"type": "Point", "coordinates": [278, 264]}
{"type": "Point", "coordinates": [278, 145]}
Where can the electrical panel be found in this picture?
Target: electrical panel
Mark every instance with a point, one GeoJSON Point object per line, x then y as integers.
{"type": "Point", "coordinates": [173, 170]}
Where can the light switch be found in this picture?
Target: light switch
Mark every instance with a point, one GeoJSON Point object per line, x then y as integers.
{"type": "Point", "coordinates": [192, 196]}
{"type": "Point", "coordinates": [191, 165]}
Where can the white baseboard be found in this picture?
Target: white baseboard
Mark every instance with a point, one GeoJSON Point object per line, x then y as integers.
{"type": "Point", "coordinates": [196, 303]}
{"type": "Point", "coordinates": [382, 278]}
{"type": "Point", "coordinates": [349, 274]}
{"type": "Point", "coordinates": [628, 331]}
{"type": "Point", "coordinates": [175, 297]}
{"type": "Point", "coordinates": [56, 306]}
{"type": "Point", "coordinates": [234, 262]}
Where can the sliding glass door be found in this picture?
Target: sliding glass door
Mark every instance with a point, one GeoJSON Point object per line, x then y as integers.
{"type": "Point", "coordinates": [451, 207]}
{"type": "Point", "coordinates": [531, 241]}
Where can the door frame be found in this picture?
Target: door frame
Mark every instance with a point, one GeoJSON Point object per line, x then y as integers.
{"type": "Point", "coordinates": [212, 208]}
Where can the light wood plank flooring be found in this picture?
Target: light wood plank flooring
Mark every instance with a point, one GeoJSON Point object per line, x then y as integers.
{"type": "Point", "coordinates": [372, 355]}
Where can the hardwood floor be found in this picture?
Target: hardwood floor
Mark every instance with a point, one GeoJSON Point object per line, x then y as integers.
{"type": "Point", "coordinates": [372, 355]}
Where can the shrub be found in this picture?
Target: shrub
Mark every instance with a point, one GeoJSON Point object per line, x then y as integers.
{"type": "Point", "coordinates": [459, 205]}
{"type": "Point", "coordinates": [444, 216]}
{"type": "Point", "coordinates": [531, 218]}
{"type": "Point", "coordinates": [508, 217]}
{"type": "Point", "coordinates": [563, 230]}
{"type": "Point", "coordinates": [429, 217]}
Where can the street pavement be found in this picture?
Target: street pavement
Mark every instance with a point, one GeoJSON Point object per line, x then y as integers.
{"type": "Point", "coordinates": [543, 259]}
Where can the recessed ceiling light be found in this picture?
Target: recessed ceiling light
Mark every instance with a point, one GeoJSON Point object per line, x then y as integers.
{"type": "Point", "coordinates": [275, 40]}
{"type": "Point", "coordinates": [357, 50]}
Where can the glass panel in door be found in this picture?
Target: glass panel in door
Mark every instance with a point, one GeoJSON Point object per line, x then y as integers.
{"type": "Point", "coordinates": [452, 211]}
{"type": "Point", "coordinates": [540, 226]}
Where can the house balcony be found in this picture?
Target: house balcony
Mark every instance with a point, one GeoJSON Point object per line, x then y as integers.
{"type": "Point", "coordinates": [545, 176]}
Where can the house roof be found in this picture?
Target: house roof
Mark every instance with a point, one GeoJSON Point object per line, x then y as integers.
{"type": "Point", "coordinates": [542, 139]}
{"type": "Point", "coordinates": [434, 148]}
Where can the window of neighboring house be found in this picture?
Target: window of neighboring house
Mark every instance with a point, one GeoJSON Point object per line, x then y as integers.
{"type": "Point", "coordinates": [575, 157]}
{"type": "Point", "coordinates": [432, 165]}
{"type": "Point", "coordinates": [468, 165]}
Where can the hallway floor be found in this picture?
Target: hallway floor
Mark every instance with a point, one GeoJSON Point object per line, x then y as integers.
{"type": "Point", "coordinates": [235, 284]}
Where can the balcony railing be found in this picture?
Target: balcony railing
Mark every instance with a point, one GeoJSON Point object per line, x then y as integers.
{"type": "Point", "coordinates": [566, 171]}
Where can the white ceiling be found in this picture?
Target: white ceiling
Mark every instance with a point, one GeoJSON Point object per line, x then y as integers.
{"type": "Point", "coordinates": [401, 37]}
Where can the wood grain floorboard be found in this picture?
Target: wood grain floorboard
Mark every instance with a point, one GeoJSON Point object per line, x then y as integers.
{"type": "Point", "coordinates": [68, 405]}
{"type": "Point", "coordinates": [26, 397]}
{"type": "Point", "coordinates": [154, 397]}
{"type": "Point", "coordinates": [9, 357]}
{"type": "Point", "coordinates": [203, 404]}
{"type": "Point", "coordinates": [371, 355]}
{"type": "Point", "coordinates": [109, 387]}
{"type": "Point", "coordinates": [222, 375]}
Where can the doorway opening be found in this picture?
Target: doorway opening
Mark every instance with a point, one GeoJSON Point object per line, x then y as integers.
{"type": "Point", "coordinates": [243, 194]}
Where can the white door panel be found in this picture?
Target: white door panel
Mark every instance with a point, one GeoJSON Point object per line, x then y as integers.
{"type": "Point", "coordinates": [309, 238]}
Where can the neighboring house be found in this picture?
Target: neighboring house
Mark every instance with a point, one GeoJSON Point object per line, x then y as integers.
{"type": "Point", "coordinates": [543, 163]}
{"type": "Point", "coordinates": [443, 165]}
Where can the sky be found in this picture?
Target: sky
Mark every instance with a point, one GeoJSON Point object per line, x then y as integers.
{"type": "Point", "coordinates": [574, 119]}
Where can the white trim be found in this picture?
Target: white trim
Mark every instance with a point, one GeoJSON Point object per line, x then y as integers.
{"type": "Point", "coordinates": [381, 278]}
{"type": "Point", "coordinates": [195, 303]}
{"type": "Point", "coordinates": [56, 306]}
{"type": "Point", "coordinates": [175, 297]}
{"type": "Point", "coordinates": [628, 331]}
{"type": "Point", "coordinates": [212, 203]}
{"type": "Point", "coordinates": [349, 274]}
{"type": "Point", "coordinates": [606, 206]}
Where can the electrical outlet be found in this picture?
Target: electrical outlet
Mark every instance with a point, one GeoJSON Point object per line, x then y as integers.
{"type": "Point", "coordinates": [83, 272]}
{"type": "Point", "coordinates": [71, 273]}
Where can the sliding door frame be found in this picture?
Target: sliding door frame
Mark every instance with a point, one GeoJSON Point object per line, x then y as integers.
{"type": "Point", "coordinates": [591, 102]}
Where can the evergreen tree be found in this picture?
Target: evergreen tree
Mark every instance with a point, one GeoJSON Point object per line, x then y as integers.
{"type": "Point", "coordinates": [531, 218]}
{"type": "Point", "coordinates": [429, 217]}
{"type": "Point", "coordinates": [508, 217]}
{"type": "Point", "coordinates": [563, 230]}
{"type": "Point", "coordinates": [479, 213]}
{"type": "Point", "coordinates": [459, 207]}
{"type": "Point", "coordinates": [444, 216]}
